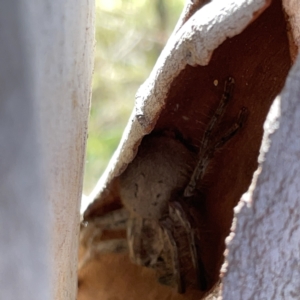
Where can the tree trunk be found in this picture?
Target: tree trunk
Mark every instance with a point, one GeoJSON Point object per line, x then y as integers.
{"type": "Point", "coordinates": [263, 249]}
{"type": "Point", "coordinates": [46, 55]}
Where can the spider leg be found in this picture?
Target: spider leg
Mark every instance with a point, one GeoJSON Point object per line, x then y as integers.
{"type": "Point", "coordinates": [205, 158]}
{"type": "Point", "coordinates": [176, 208]}
{"type": "Point", "coordinates": [134, 232]}
{"type": "Point", "coordinates": [227, 94]}
{"type": "Point", "coordinates": [232, 130]}
{"type": "Point", "coordinates": [167, 226]}
{"type": "Point", "coordinates": [145, 241]}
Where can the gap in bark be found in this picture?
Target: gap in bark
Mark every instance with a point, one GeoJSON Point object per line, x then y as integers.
{"type": "Point", "coordinates": [259, 60]}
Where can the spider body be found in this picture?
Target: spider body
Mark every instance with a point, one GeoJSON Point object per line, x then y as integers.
{"type": "Point", "coordinates": [155, 187]}
{"type": "Point", "coordinates": [162, 167]}
{"type": "Point", "coordinates": [159, 173]}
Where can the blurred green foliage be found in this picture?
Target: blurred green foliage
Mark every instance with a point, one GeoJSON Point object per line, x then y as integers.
{"type": "Point", "coordinates": [130, 35]}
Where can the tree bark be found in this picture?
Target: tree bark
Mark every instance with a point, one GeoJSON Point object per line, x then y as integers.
{"type": "Point", "coordinates": [46, 56]}
{"type": "Point", "coordinates": [263, 249]}
{"type": "Point", "coordinates": [24, 220]}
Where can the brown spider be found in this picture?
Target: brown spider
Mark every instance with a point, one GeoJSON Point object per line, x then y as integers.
{"type": "Point", "coordinates": [154, 188]}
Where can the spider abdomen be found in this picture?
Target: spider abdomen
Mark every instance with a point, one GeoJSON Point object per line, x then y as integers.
{"type": "Point", "coordinates": [162, 166]}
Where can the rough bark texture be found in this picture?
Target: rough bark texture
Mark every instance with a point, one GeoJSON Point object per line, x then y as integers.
{"type": "Point", "coordinates": [263, 249]}
{"type": "Point", "coordinates": [64, 81]}
{"type": "Point", "coordinates": [46, 56]}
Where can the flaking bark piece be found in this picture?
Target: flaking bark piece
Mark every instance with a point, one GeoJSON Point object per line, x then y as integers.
{"type": "Point", "coordinates": [192, 44]}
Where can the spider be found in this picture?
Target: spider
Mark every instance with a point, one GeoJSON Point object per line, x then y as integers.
{"type": "Point", "coordinates": [155, 187]}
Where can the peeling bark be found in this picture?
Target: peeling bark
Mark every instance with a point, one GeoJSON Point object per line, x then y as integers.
{"type": "Point", "coordinates": [246, 41]}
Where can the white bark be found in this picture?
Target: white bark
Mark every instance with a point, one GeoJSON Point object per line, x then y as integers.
{"type": "Point", "coordinates": [46, 55]}
{"type": "Point", "coordinates": [65, 70]}
{"type": "Point", "coordinates": [263, 250]}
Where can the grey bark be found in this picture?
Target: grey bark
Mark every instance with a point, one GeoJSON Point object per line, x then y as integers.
{"type": "Point", "coordinates": [46, 61]}
{"type": "Point", "coordinates": [263, 260]}
{"type": "Point", "coordinates": [24, 237]}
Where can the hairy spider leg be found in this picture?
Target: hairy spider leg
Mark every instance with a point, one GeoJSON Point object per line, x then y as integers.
{"type": "Point", "coordinates": [227, 94]}
{"type": "Point", "coordinates": [204, 159]}
{"type": "Point", "coordinates": [133, 226]}
{"type": "Point", "coordinates": [175, 207]}
{"type": "Point", "coordinates": [232, 130]}
{"type": "Point", "coordinates": [167, 226]}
